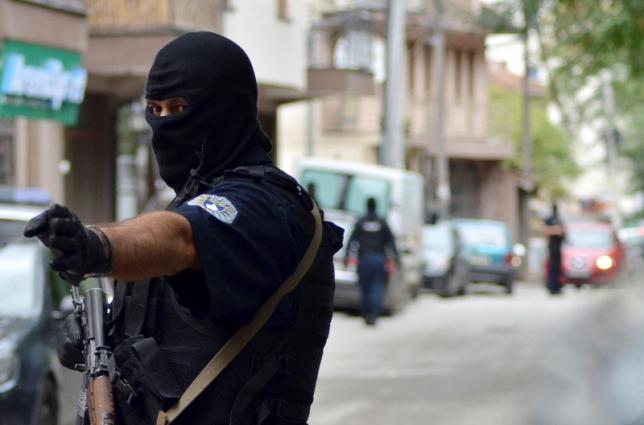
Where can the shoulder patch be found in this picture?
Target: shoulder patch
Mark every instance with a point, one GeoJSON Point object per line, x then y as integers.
{"type": "Point", "coordinates": [217, 206]}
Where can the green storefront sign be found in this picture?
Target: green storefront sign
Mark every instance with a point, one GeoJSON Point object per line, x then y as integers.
{"type": "Point", "coordinates": [41, 82]}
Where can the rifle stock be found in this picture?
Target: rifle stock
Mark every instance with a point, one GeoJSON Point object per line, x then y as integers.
{"type": "Point", "coordinates": [99, 405]}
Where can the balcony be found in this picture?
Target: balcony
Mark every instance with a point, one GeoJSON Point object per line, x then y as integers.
{"type": "Point", "coordinates": [126, 16]}
{"type": "Point", "coordinates": [341, 54]}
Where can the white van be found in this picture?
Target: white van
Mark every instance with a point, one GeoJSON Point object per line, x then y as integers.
{"type": "Point", "coordinates": [341, 189]}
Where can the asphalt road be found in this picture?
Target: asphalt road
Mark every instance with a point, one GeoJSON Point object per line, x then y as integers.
{"type": "Point", "coordinates": [490, 358]}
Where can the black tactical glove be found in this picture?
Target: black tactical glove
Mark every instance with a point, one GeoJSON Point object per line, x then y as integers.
{"type": "Point", "coordinates": [69, 342]}
{"type": "Point", "coordinates": [78, 250]}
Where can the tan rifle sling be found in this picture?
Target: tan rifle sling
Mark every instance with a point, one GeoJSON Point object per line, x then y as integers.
{"type": "Point", "coordinates": [243, 336]}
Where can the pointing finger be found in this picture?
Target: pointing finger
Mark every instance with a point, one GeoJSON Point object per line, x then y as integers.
{"type": "Point", "coordinates": [37, 225]}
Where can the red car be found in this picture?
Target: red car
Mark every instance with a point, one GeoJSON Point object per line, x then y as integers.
{"type": "Point", "coordinates": [592, 254]}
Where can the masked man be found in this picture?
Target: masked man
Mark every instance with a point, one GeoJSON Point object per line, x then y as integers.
{"type": "Point", "coordinates": [189, 277]}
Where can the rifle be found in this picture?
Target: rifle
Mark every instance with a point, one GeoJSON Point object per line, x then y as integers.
{"type": "Point", "coordinates": [96, 402]}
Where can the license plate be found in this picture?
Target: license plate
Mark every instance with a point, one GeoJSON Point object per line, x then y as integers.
{"type": "Point", "coordinates": [480, 260]}
{"type": "Point", "coordinates": [578, 274]}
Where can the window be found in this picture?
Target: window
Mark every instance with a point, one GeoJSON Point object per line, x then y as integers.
{"type": "Point", "coordinates": [484, 234]}
{"type": "Point", "coordinates": [361, 188]}
{"type": "Point", "coordinates": [429, 72]}
{"type": "Point", "coordinates": [327, 187]}
{"type": "Point", "coordinates": [341, 191]}
{"type": "Point", "coordinates": [282, 9]}
{"type": "Point", "coordinates": [471, 74]}
{"type": "Point", "coordinates": [19, 279]}
{"type": "Point", "coordinates": [411, 63]}
{"type": "Point", "coordinates": [589, 238]}
{"type": "Point", "coordinates": [458, 74]}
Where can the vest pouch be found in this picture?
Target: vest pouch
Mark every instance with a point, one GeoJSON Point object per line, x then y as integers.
{"type": "Point", "coordinates": [142, 364]}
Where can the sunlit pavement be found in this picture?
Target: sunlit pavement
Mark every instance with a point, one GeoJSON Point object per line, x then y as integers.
{"type": "Point", "coordinates": [486, 358]}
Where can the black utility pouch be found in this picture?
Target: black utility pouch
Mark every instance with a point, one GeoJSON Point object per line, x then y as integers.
{"type": "Point", "coordinates": [141, 363]}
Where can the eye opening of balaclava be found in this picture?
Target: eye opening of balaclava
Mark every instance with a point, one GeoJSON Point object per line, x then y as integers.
{"type": "Point", "coordinates": [218, 130]}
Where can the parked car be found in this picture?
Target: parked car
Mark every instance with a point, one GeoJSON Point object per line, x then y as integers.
{"type": "Point", "coordinates": [34, 388]}
{"type": "Point", "coordinates": [489, 251]}
{"type": "Point", "coordinates": [633, 240]}
{"type": "Point", "coordinates": [341, 189]}
{"type": "Point", "coordinates": [446, 266]}
{"type": "Point", "coordinates": [592, 254]}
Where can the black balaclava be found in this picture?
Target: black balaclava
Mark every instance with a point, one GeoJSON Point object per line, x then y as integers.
{"type": "Point", "coordinates": [219, 129]}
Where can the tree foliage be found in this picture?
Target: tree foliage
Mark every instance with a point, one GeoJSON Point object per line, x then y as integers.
{"type": "Point", "coordinates": [581, 42]}
{"type": "Point", "coordinates": [552, 155]}
{"type": "Point", "coordinates": [586, 40]}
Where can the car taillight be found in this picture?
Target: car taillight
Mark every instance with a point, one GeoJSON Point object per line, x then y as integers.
{"type": "Point", "coordinates": [508, 259]}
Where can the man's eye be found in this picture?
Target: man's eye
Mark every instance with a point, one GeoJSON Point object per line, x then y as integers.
{"type": "Point", "coordinates": [179, 108]}
{"type": "Point", "coordinates": [154, 110]}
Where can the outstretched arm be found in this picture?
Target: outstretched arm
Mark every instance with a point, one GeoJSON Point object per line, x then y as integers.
{"type": "Point", "coordinates": [151, 245]}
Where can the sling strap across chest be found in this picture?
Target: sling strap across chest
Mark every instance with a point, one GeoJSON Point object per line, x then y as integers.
{"type": "Point", "coordinates": [246, 333]}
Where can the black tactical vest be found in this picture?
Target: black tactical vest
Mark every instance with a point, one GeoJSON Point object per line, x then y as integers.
{"type": "Point", "coordinates": [161, 347]}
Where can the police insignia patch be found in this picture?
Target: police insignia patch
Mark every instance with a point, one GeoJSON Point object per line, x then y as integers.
{"type": "Point", "coordinates": [217, 206]}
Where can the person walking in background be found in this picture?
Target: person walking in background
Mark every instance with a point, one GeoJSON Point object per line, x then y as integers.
{"type": "Point", "coordinates": [373, 242]}
{"type": "Point", "coordinates": [555, 232]}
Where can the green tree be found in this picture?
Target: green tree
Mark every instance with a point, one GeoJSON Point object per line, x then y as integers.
{"type": "Point", "coordinates": [580, 41]}
{"type": "Point", "coordinates": [553, 159]}
{"type": "Point", "coordinates": [552, 156]}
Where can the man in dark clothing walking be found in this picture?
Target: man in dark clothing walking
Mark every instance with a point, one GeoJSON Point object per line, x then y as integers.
{"type": "Point", "coordinates": [555, 232]}
{"type": "Point", "coordinates": [373, 241]}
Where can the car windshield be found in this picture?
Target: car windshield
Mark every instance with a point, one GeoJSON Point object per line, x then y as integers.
{"type": "Point", "coordinates": [341, 191]}
{"type": "Point", "coordinates": [588, 238]}
{"type": "Point", "coordinates": [19, 270]}
{"type": "Point", "coordinates": [18, 278]}
{"type": "Point", "coordinates": [483, 234]}
{"type": "Point", "coordinates": [437, 237]}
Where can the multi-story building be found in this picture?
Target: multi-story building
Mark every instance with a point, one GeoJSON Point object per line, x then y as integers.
{"type": "Point", "coordinates": [344, 119]}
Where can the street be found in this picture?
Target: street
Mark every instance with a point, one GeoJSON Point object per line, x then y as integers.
{"type": "Point", "coordinates": [486, 358]}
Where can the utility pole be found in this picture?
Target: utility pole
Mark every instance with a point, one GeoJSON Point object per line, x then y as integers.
{"type": "Point", "coordinates": [527, 124]}
{"type": "Point", "coordinates": [392, 148]}
{"type": "Point", "coordinates": [527, 170]}
{"type": "Point", "coordinates": [610, 136]}
{"type": "Point", "coordinates": [310, 128]}
{"type": "Point", "coordinates": [443, 193]}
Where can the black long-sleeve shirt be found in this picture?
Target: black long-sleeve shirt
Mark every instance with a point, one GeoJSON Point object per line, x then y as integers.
{"type": "Point", "coordinates": [372, 235]}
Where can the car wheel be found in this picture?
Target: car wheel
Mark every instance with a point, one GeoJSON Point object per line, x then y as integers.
{"type": "Point", "coordinates": [47, 411]}
{"type": "Point", "coordinates": [414, 291]}
{"type": "Point", "coordinates": [462, 290]}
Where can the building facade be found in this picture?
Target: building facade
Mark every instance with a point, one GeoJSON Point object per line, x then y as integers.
{"type": "Point", "coordinates": [32, 34]}
{"type": "Point", "coordinates": [344, 119]}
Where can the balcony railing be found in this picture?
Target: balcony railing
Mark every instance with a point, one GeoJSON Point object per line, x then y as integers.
{"type": "Point", "coordinates": [147, 15]}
